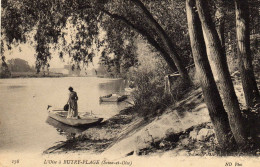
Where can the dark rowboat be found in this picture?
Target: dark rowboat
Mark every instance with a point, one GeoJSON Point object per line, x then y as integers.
{"type": "Point", "coordinates": [61, 116]}
{"type": "Point", "coordinates": [113, 98]}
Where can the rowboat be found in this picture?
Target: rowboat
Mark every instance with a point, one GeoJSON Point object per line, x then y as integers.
{"type": "Point", "coordinates": [63, 128]}
{"type": "Point", "coordinates": [61, 116]}
{"type": "Point", "coordinates": [112, 98]}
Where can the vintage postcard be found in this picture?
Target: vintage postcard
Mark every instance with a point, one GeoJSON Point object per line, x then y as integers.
{"type": "Point", "coordinates": [129, 83]}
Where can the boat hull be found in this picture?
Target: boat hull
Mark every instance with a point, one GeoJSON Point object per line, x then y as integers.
{"type": "Point", "coordinates": [61, 116]}
{"type": "Point", "coordinates": [113, 98]}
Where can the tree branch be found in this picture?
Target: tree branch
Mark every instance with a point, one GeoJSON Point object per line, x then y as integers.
{"type": "Point", "coordinates": [145, 34]}
{"type": "Point", "coordinates": [150, 16]}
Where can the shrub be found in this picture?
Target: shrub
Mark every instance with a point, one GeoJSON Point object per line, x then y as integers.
{"type": "Point", "coordinates": [149, 80]}
{"type": "Point", "coordinates": [150, 96]}
{"type": "Point", "coordinates": [149, 93]}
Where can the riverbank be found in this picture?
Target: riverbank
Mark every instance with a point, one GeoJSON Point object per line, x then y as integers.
{"type": "Point", "coordinates": [127, 133]}
{"type": "Point", "coordinates": [182, 129]}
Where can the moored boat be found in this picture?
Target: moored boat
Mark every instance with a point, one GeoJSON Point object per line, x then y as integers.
{"type": "Point", "coordinates": [113, 98]}
{"type": "Point", "coordinates": [61, 116]}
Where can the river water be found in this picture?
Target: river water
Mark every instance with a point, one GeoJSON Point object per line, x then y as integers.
{"type": "Point", "coordinates": [24, 122]}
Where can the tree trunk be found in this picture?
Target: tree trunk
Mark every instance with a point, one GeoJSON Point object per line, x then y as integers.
{"type": "Point", "coordinates": [167, 43]}
{"type": "Point", "coordinates": [211, 95]}
{"type": "Point", "coordinates": [220, 27]}
{"type": "Point", "coordinates": [220, 22]}
{"type": "Point", "coordinates": [226, 86]}
{"type": "Point", "coordinates": [243, 48]}
{"type": "Point", "coordinates": [117, 65]}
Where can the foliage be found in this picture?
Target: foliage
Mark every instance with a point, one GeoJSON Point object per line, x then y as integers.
{"type": "Point", "coordinates": [120, 43]}
{"type": "Point", "coordinates": [4, 71]}
{"type": "Point", "coordinates": [172, 17]}
{"type": "Point", "coordinates": [19, 65]}
{"type": "Point", "coordinates": [144, 83]}
{"type": "Point", "coordinates": [255, 52]}
{"type": "Point", "coordinates": [50, 18]}
{"type": "Point", "coordinates": [148, 79]}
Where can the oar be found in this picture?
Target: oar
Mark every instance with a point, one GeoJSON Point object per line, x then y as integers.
{"type": "Point", "coordinates": [49, 106]}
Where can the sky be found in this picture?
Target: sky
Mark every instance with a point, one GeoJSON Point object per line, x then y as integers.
{"type": "Point", "coordinates": [27, 51]}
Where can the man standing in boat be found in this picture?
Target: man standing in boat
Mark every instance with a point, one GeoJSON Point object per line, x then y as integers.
{"type": "Point", "coordinates": [73, 105]}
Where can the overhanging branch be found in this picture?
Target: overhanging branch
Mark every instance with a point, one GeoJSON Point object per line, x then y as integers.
{"type": "Point", "coordinates": [144, 33]}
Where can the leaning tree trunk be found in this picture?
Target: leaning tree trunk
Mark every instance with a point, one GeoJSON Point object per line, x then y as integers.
{"type": "Point", "coordinates": [226, 86]}
{"type": "Point", "coordinates": [211, 95]}
{"type": "Point", "coordinates": [220, 27]}
{"type": "Point", "coordinates": [243, 48]}
{"type": "Point", "coordinates": [166, 41]}
{"type": "Point", "coordinates": [166, 47]}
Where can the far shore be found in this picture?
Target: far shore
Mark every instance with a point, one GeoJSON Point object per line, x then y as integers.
{"type": "Point", "coordinates": [46, 75]}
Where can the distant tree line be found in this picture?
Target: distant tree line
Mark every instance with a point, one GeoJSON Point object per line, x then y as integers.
{"type": "Point", "coordinates": [19, 65]}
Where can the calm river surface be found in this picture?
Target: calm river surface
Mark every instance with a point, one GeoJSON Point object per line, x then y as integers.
{"type": "Point", "coordinates": [24, 126]}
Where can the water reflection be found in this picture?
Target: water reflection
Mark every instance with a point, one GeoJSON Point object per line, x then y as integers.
{"type": "Point", "coordinates": [15, 86]}
{"type": "Point", "coordinates": [64, 129]}
{"type": "Point", "coordinates": [112, 87]}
